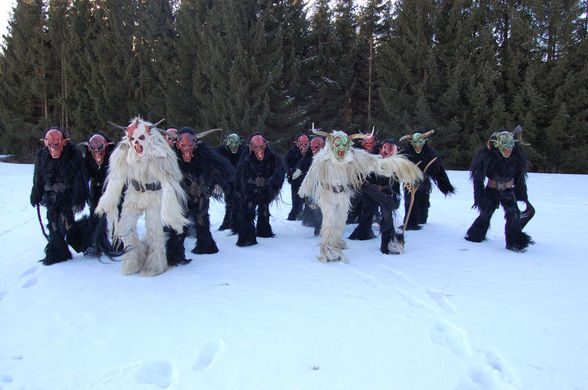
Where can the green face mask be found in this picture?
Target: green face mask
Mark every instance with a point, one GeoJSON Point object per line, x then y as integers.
{"type": "Point", "coordinates": [504, 142]}
{"type": "Point", "coordinates": [417, 141]}
{"type": "Point", "coordinates": [340, 146]}
{"type": "Point", "coordinates": [233, 141]}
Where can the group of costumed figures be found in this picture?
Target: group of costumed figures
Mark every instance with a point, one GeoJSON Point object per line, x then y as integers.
{"type": "Point", "coordinates": [168, 177]}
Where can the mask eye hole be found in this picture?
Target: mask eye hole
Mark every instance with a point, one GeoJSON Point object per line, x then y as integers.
{"type": "Point", "coordinates": [142, 137]}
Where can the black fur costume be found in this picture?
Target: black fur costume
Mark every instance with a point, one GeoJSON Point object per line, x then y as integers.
{"type": "Point", "coordinates": [258, 183]}
{"type": "Point", "coordinates": [311, 213]}
{"type": "Point", "coordinates": [489, 163]}
{"type": "Point", "coordinates": [291, 159]}
{"type": "Point", "coordinates": [61, 186]}
{"type": "Point", "coordinates": [230, 220]}
{"type": "Point", "coordinates": [384, 193]}
{"type": "Point", "coordinates": [202, 173]}
{"type": "Point", "coordinates": [435, 172]}
{"type": "Point", "coordinates": [96, 234]}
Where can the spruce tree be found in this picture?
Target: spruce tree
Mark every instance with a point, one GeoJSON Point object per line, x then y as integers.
{"type": "Point", "coordinates": [24, 103]}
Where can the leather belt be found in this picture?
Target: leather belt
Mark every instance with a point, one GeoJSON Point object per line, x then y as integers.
{"type": "Point", "coordinates": [500, 185]}
{"type": "Point", "coordinates": [140, 187]}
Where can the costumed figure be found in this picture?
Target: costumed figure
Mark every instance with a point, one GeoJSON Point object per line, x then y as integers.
{"type": "Point", "coordinates": [381, 192]}
{"type": "Point", "coordinates": [336, 173]}
{"type": "Point", "coordinates": [60, 184]}
{"type": "Point", "coordinates": [505, 164]}
{"type": "Point", "coordinates": [203, 169]}
{"type": "Point", "coordinates": [420, 153]}
{"type": "Point", "coordinates": [369, 144]}
{"type": "Point", "coordinates": [96, 160]}
{"type": "Point", "coordinates": [311, 214]}
{"type": "Point", "coordinates": [231, 148]}
{"type": "Point", "coordinates": [259, 177]}
{"type": "Point", "coordinates": [144, 162]}
{"type": "Point", "coordinates": [291, 159]}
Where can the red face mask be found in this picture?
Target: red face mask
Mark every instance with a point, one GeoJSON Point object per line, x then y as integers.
{"type": "Point", "coordinates": [186, 143]}
{"type": "Point", "coordinates": [317, 144]}
{"type": "Point", "coordinates": [388, 150]}
{"type": "Point", "coordinates": [369, 143]}
{"type": "Point", "coordinates": [302, 143]}
{"type": "Point", "coordinates": [55, 142]}
{"type": "Point", "coordinates": [97, 147]}
{"type": "Point", "coordinates": [257, 145]}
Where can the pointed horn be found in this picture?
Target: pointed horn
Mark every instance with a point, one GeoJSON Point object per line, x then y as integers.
{"type": "Point", "coordinates": [158, 123]}
{"type": "Point", "coordinates": [163, 132]}
{"type": "Point", "coordinates": [320, 132]}
{"type": "Point", "coordinates": [428, 133]}
{"type": "Point", "coordinates": [408, 136]}
{"type": "Point", "coordinates": [117, 126]}
{"type": "Point", "coordinates": [362, 135]}
{"type": "Point", "coordinates": [206, 132]}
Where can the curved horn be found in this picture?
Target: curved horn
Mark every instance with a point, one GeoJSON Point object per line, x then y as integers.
{"type": "Point", "coordinates": [408, 136]}
{"type": "Point", "coordinates": [163, 132]}
{"type": "Point", "coordinates": [206, 132]}
{"type": "Point", "coordinates": [320, 132]}
{"type": "Point", "coordinates": [428, 133]}
{"type": "Point", "coordinates": [123, 128]}
{"type": "Point", "coordinates": [362, 135]}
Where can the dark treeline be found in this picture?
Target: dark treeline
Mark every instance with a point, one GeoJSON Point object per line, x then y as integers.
{"type": "Point", "coordinates": [464, 68]}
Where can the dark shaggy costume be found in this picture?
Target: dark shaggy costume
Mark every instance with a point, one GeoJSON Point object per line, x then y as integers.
{"type": "Point", "coordinates": [506, 185]}
{"type": "Point", "coordinates": [258, 183]}
{"type": "Point", "coordinates": [379, 193]}
{"type": "Point", "coordinates": [96, 227]}
{"type": "Point", "coordinates": [435, 172]}
{"type": "Point", "coordinates": [311, 213]}
{"type": "Point", "coordinates": [201, 174]}
{"type": "Point", "coordinates": [291, 159]}
{"type": "Point", "coordinates": [230, 220]}
{"type": "Point", "coordinates": [61, 186]}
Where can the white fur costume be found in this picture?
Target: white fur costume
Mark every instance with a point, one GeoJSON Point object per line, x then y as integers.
{"type": "Point", "coordinates": [141, 160]}
{"type": "Point", "coordinates": [331, 183]}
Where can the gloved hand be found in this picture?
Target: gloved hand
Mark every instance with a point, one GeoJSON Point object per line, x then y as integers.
{"type": "Point", "coordinates": [35, 200]}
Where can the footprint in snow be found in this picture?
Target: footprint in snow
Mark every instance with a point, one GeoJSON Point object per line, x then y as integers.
{"type": "Point", "coordinates": [207, 354]}
{"type": "Point", "coordinates": [446, 334]}
{"type": "Point", "coordinates": [155, 373]}
{"type": "Point", "coordinates": [30, 283]}
{"type": "Point", "coordinates": [2, 294]}
{"type": "Point", "coordinates": [440, 298]}
{"type": "Point", "coordinates": [28, 272]}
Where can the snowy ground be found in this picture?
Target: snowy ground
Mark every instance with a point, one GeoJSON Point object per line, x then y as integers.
{"type": "Point", "coordinates": [447, 314]}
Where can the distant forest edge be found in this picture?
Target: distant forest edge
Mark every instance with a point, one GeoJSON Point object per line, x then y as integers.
{"type": "Point", "coordinates": [464, 68]}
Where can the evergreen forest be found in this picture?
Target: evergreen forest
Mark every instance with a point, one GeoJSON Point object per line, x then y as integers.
{"type": "Point", "coordinates": [465, 68]}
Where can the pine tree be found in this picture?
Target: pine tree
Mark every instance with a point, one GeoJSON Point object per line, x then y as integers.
{"type": "Point", "coordinates": [325, 105]}
{"type": "Point", "coordinates": [24, 102]}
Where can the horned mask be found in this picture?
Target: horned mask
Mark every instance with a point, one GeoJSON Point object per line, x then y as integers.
{"type": "Point", "coordinates": [55, 142]}
{"type": "Point", "coordinates": [504, 141]}
{"type": "Point", "coordinates": [188, 141]}
{"type": "Point", "coordinates": [417, 140]}
{"type": "Point", "coordinates": [340, 142]}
